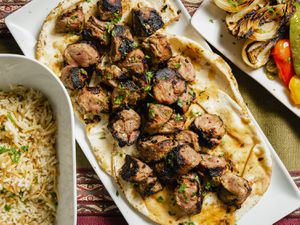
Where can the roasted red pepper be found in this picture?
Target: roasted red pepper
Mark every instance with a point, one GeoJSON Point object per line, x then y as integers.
{"type": "Point", "coordinates": [282, 55]}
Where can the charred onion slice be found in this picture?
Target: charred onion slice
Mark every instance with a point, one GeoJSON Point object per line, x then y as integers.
{"type": "Point", "coordinates": [233, 5]}
{"type": "Point", "coordinates": [256, 53]}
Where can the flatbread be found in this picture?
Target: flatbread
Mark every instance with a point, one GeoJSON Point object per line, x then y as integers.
{"type": "Point", "coordinates": [50, 49]}
{"type": "Point", "coordinates": [217, 93]}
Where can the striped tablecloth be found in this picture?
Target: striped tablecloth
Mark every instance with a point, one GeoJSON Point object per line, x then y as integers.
{"type": "Point", "coordinates": [95, 206]}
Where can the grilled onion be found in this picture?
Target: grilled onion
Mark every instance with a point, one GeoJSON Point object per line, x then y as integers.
{"type": "Point", "coordinates": [257, 53]}
{"type": "Point", "coordinates": [232, 6]}
{"type": "Point", "coordinates": [259, 22]}
{"type": "Point", "coordinates": [235, 20]}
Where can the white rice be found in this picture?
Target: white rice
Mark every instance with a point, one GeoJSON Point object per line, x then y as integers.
{"type": "Point", "coordinates": [28, 162]}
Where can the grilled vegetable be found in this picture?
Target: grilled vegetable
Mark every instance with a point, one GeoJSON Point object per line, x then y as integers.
{"type": "Point", "coordinates": [233, 5]}
{"type": "Point", "coordinates": [282, 55]}
{"type": "Point", "coordinates": [257, 53]}
{"type": "Point", "coordinates": [295, 41]}
{"type": "Point", "coordinates": [294, 87]}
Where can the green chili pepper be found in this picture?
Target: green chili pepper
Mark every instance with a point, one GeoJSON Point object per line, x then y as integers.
{"type": "Point", "coordinates": [295, 41]}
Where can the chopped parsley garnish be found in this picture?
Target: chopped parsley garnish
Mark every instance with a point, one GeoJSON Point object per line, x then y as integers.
{"type": "Point", "coordinates": [180, 103]}
{"type": "Point", "coordinates": [177, 66]}
{"type": "Point", "coordinates": [211, 20]}
{"type": "Point", "coordinates": [147, 57]}
{"type": "Point", "coordinates": [25, 148]}
{"type": "Point", "coordinates": [148, 88]}
{"type": "Point", "coordinates": [74, 17]}
{"type": "Point", "coordinates": [4, 149]}
{"type": "Point", "coordinates": [179, 117]}
{"type": "Point", "coordinates": [191, 92]}
{"type": "Point", "coordinates": [181, 188]}
{"type": "Point", "coordinates": [117, 193]}
{"type": "Point", "coordinates": [11, 118]}
{"type": "Point", "coordinates": [15, 155]}
{"type": "Point", "coordinates": [88, 1]}
{"type": "Point", "coordinates": [160, 199]}
{"type": "Point", "coordinates": [151, 113]}
{"type": "Point", "coordinates": [7, 208]}
{"type": "Point", "coordinates": [149, 75]}
{"type": "Point", "coordinates": [118, 100]}
{"type": "Point", "coordinates": [188, 223]}
{"type": "Point", "coordinates": [83, 71]}
{"type": "Point", "coordinates": [208, 186]}
{"type": "Point", "coordinates": [221, 155]}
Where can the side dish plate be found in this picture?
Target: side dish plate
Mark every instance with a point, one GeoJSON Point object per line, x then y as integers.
{"type": "Point", "coordinates": [282, 197]}
{"type": "Point", "coordinates": [209, 21]}
{"type": "Point", "coordinates": [19, 70]}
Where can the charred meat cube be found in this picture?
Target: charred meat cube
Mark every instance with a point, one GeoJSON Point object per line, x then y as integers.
{"type": "Point", "coordinates": [110, 9]}
{"type": "Point", "coordinates": [121, 42]}
{"type": "Point", "coordinates": [158, 48]}
{"type": "Point", "coordinates": [71, 20]}
{"type": "Point", "coordinates": [141, 175]}
{"type": "Point", "coordinates": [213, 165]}
{"type": "Point", "coordinates": [188, 137]}
{"type": "Point", "coordinates": [125, 127]}
{"type": "Point", "coordinates": [188, 193]}
{"type": "Point", "coordinates": [149, 186]}
{"type": "Point", "coordinates": [184, 67]}
{"type": "Point", "coordinates": [74, 77]}
{"type": "Point", "coordinates": [93, 100]}
{"type": "Point", "coordinates": [135, 62]}
{"type": "Point", "coordinates": [146, 21]}
{"type": "Point", "coordinates": [164, 172]}
{"type": "Point", "coordinates": [183, 158]}
{"type": "Point", "coordinates": [97, 30]}
{"type": "Point", "coordinates": [175, 124]}
{"type": "Point", "coordinates": [185, 100]}
{"type": "Point", "coordinates": [81, 54]}
{"type": "Point", "coordinates": [158, 115]}
{"type": "Point", "coordinates": [210, 129]}
{"type": "Point", "coordinates": [155, 148]}
{"type": "Point", "coordinates": [126, 94]}
{"type": "Point", "coordinates": [111, 75]}
{"type": "Point", "coordinates": [163, 120]}
{"type": "Point", "coordinates": [234, 189]}
{"type": "Point", "coordinates": [167, 86]}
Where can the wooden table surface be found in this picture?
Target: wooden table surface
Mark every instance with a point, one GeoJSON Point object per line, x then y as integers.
{"type": "Point", "coordinates": [280, 125]}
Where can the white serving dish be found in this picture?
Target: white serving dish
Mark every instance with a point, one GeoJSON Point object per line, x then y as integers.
{"type": "Point", "coordinates": [209, 22]}
{"type": "Point", "coordinates": [17, 69]}
{"type": "Point", "coordinates": [281, 198]}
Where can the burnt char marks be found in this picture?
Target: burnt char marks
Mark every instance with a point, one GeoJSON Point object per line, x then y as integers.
{"type": "Point", "coordinates": [210, 129]}
{"type": "Point", "coordinates": [110, 9]}
{"type": "Point", "coordinates": [182, 159]}
{"type": "Point", "coordinates": [188, 137]}
{"type": "Point", "coordinates": [146, 21]}
{"type": "Point", "coordinates": [234, 190]}
{"type": "Point", "coordinates": [155, 148]}
{"type": "Point", "coordinates": [213, 165]}
{"type": "Point", "coordinates": [141, 175]}
{"type": "Point", "coordinates": [122, 42]}
{"type": "Point", "coordinates": [74, 77]}
{"type": "Point", "coordinates": [97, 31]}
{"type": "Point", "coordinates": [158, 47]}
{"type": "Point", "coordinates": [125, 127]}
